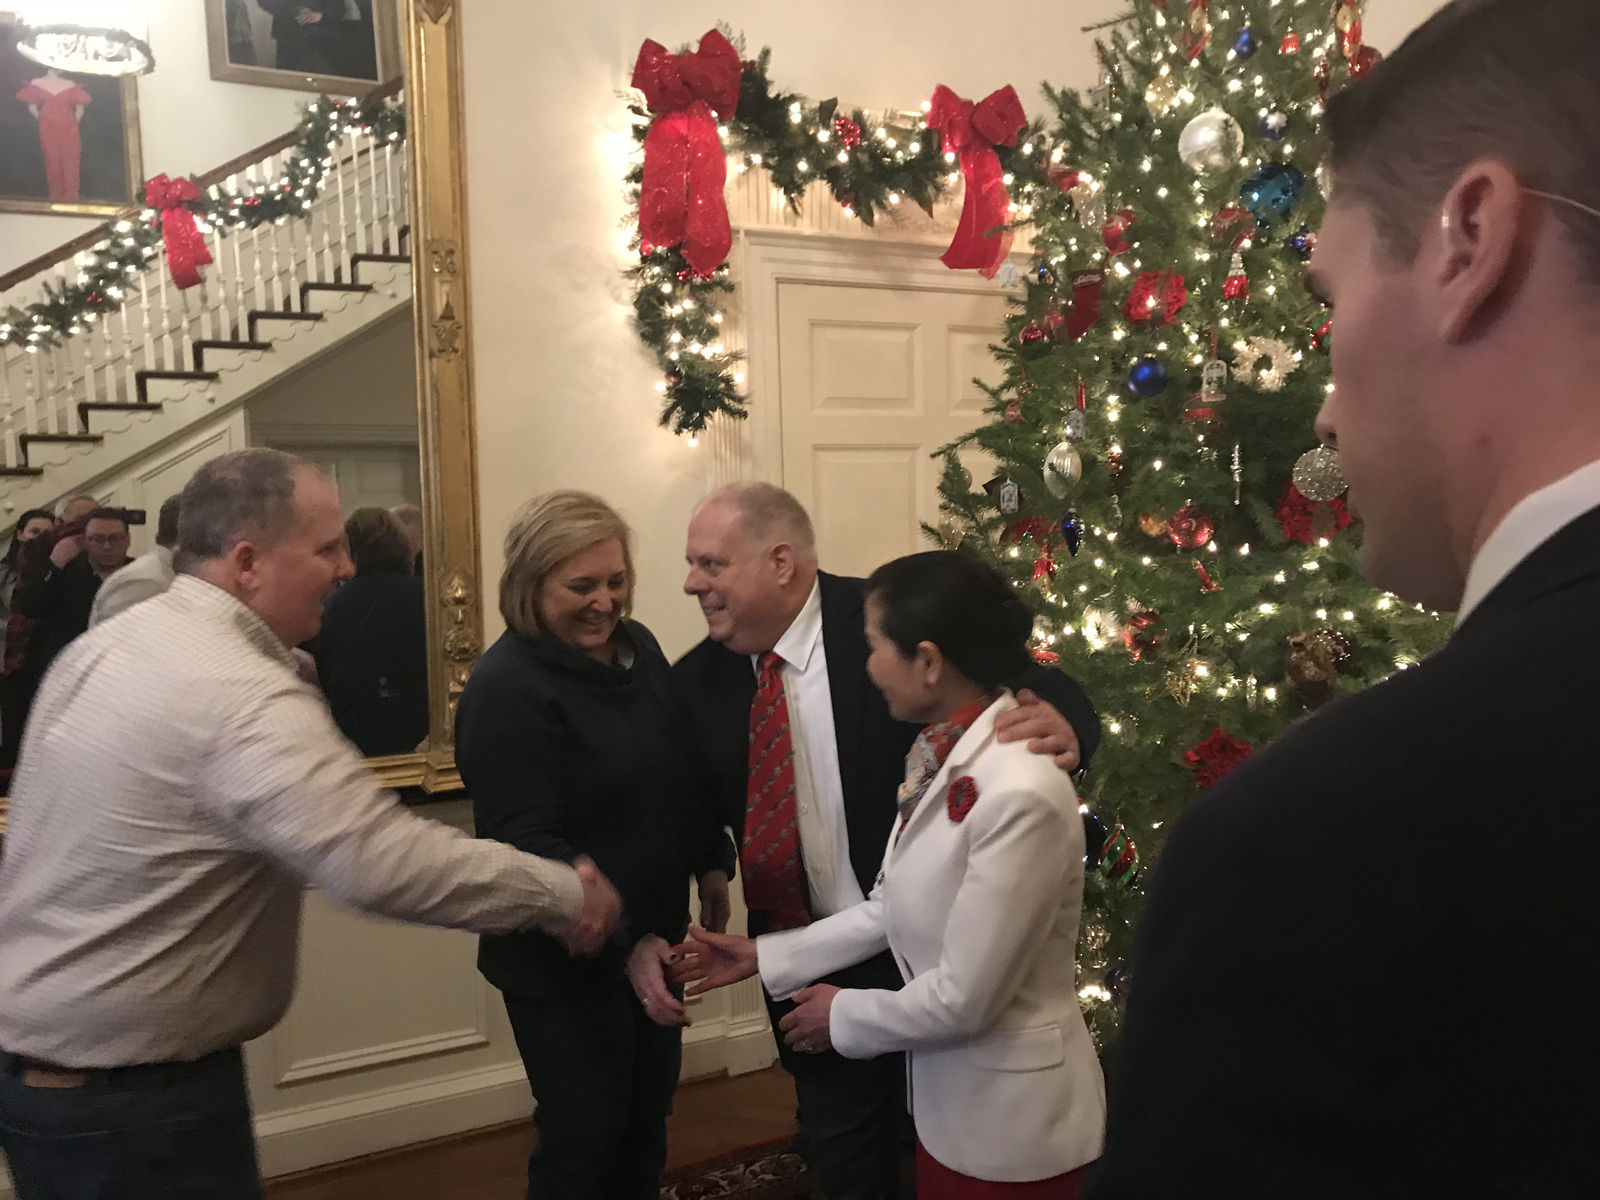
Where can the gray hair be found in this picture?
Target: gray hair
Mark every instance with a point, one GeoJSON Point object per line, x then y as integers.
{"type": "Point", "coordinates": [769, 514]}
{"type": "Point", "coordinates": [409, 515]}
{"type": "Point", "coordinates": [245, 496]}
{"type": "Point", "coordinates": [67, 502]}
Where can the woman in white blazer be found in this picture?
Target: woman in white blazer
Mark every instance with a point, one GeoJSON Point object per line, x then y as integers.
{"type": "Point", "coordinates": [978, 899]}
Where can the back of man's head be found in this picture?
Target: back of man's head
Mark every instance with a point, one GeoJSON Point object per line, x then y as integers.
{"type": "Point", "coordinates": [247, 495]}
{"type": "Point", "coordinates": [1512, 80]}
{"type": "Point", "coordinates": [75, 508]}
{"type": "Point", "coordinates": [167, 521]}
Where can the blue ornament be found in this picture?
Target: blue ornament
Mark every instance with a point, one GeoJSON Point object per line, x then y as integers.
{"type": "Point", "coordinates": [1272, 191]}
{"type": "Point", "coordinates": [1274, 125]}
{"type": "Point", "coordinates": [1095, 836]}
{"type": "Point", "coordinates": [1147, 377]}
{"type": "Point", "coordinates": [1244, 45]}
{"type": "Point", "coordinates": [1072, 532]}
{"type": "Point", "coordinates": [1119, 980]}
{"type": "Point", "coordinates": [1302, 241]}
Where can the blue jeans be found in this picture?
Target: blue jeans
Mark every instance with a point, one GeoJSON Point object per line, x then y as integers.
{"type": "Point", "coordinates": [168, 1131]}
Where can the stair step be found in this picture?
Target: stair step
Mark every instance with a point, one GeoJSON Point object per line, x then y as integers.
{"type": "Point", "coordinates": [357, 259]}
{"type": "Point", "coordinates": [307, 288]}
{"type": "Point", "coordinates": [142, 378]}
{"type": "Point", "coordinates": [254, 318]}
{"type": "Point", "coordinates": [90, 406]}
{"type": "Point", "coordinates": [201, 346]}
{"type": "Point", "coordinates": [24, 440]}
{"type": "Point", "coordinates": [21, 472]}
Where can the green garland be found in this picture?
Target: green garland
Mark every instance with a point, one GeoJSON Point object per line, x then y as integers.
{"type": "Point", "coordinates": [69, 308]}
{"type": "Point", "coordinates": [869, 164]}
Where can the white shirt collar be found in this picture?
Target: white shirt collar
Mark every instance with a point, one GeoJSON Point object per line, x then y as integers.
{"type": "Point", "coordinates": [799, 642]}
{"type": "Point", "coordinates": [1534, 521]}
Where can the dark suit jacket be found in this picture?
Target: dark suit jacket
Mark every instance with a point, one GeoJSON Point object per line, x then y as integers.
{"type": "Point", "coordinates": [60, 602]}
{"type": "Point", "coordinates": [372, 661]}
{"type": "Point", "coordinates": [715, 688]}
{"type": "Point", "coordinates": [1370, 964]}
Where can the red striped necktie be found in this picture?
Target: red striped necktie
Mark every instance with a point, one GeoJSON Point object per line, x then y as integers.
{"type": "Point", "coordinates": [774, 882]}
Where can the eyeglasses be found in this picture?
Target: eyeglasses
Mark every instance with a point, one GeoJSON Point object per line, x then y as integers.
{"type": "Point", "coordinates": [106, 539]}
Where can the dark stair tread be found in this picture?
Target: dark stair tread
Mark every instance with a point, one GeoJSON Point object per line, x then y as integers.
{"type": "Point", "coordinates": [356, 259]}
{"type": "Point", "coordinates": [204, 344]}
{"type": "Point", "coordinates": [141, 379]}
{"type": "Point", "coordinates": [252, 319]}
{"type": "Point", "coordinates": [26, 439]}
{"type": "Point", "coordinates": [20, 472]}
{"type": "Point", "coordinates": [88, 406]}
{"type": "Point", "coordinates": [307, 288]}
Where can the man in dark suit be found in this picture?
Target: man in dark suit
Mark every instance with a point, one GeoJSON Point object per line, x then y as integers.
{"type": "Point", "coordinates": [1369, 965]}
{"type": "Point", "coordinates": [60, 600]}
{"type": "Point", "coordinates": [753, 567]}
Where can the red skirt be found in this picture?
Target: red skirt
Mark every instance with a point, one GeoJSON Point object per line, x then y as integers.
{"type": "Point", "coordinates": [935, 1181]}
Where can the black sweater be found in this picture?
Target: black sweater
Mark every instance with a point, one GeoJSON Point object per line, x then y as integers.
{"type": "Point", "coordinates": [564, 756]}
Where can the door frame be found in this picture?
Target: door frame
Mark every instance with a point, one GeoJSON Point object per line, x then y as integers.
{"type": "Point", "coordinates": [764, 260]}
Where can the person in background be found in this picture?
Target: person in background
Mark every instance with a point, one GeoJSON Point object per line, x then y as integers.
{"type": "Point", "coordinates": [146, 576]}
{"type": "Point", "coordinates": [978, 899]}
{"type": "Point", "coordinates": [179, 790]}
{"type": "Point", "coordinates": [33, 523]}
{"type": "Point", "coordinates": [786, 647]}
{"type": "Point", "coordinates": [1351, 980]}
{"type": "Point", "coordinates": [567, 745]}
{"type": "Point", "coordinates": [410, 518]}
{"type": "Point", "coordinates": [32, 560]}
{"type": "Point", "coordinates": [61, 600]}
{"type": "Point", "coordinates": [372, 652]}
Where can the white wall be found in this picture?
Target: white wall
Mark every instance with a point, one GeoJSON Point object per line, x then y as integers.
{"type": "Point", "coordinates": [565, 391]}
{"type": "Point", "coordinates": [188, 122]}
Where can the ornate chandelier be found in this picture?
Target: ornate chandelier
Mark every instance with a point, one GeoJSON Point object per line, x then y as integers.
{"type": "Point", "coordinates": [85, 37]}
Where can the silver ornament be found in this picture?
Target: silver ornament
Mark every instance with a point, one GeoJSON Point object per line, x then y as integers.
{"type": "Point", "coordinates": [1076, 427]}
{"type": "Point", "coordinates": [1211, 142]}
{"type": "Point", "coordinates": [1063, 469]}
{"type": "Point", "coordinates": [1319, 475]}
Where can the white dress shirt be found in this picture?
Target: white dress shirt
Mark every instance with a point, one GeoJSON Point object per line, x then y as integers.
{"type": "Point", "coordinates": [1534, 521]}
{"type": "Point", "coordinates": [178, 786]}
{"type": "Point", "coordinates": [819, 792]}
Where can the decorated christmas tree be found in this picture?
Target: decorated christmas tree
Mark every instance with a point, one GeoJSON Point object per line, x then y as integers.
{"type": "Point", "coordinates": [1158, 491]}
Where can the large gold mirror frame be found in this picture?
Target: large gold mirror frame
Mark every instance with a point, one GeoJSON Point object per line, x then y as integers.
{"type": "Point", "coordinates": [436, 135]}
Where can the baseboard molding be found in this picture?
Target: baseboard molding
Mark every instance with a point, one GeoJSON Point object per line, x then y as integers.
{"type": "Point", "coordinates": [725, 1047]}
{"type": "Point", "coordinates": [320, 1134]}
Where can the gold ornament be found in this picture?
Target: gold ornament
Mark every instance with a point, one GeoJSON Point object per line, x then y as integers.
{"type": "Point", "coordinates": [1161, 95]}
{"type": "Point", "coordinates": [1153, 525]}
{"type": "Point", "coordinates": [1319, 474]}
{"type": "Point", "coordinates": [951, 534]}
{"type": "Point", "coordinates": [1314, 661]}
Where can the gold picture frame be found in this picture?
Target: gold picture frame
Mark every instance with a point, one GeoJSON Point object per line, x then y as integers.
{"type": "Point", "coordinates": [388, 53]}
{"type": "Point", "coordinates": [96, 125]}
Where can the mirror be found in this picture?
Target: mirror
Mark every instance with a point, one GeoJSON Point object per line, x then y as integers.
{"type": "Point", "coordinates": [330, 322]}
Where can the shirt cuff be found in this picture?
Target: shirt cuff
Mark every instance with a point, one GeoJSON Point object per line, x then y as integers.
{"type": "Point", "coordinates": [563, 890]}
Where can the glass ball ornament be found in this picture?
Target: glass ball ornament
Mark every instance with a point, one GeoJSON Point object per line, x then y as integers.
{"type": "Point", "coordinates": [1272, 191]}
{"type": "Point", "coordinates": [1063, 469]}
{"type": "Point", "coordinates": [1319, 474]}
{"type": "Point", "coordinates": [1147, 377]}
{"type": "Point", "coordinates": [1161, 95]}
{"type": "Point", "coordinates": [1211, 142]}
{"type": "Point", "coordinates": [1274, 125]}
{"type": "Point", "coordinates": [1245, 43]}
{"type": "Point", "coordinates": [1302, 242]}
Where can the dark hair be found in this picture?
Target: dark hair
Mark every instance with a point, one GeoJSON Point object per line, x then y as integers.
{"type": "Point", "coordinates": [962, 605]}
{"type": "Point", "coordinates": [377, 541]}
{"type": "Point", "coordinates": [108, 514]}
{"type": "Point", "coordinates": [32, 514]}
{"type": "Point", "coordinates": [1512, 80]}
{"type": "Point", "coordinates": [247, 495]}
{"type": "Point", "coordinates": [167, 521]}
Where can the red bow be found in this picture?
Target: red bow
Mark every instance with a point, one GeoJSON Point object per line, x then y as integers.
{"type": "Point", "coordinates": [186, 249]}
{"type": "Point", "coordinates": [681, 201]}
{"type": "Point", "coordinates": [973, 131]}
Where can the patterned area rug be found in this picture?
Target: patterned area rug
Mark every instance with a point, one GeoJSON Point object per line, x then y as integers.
{"type": "Point", "coordinates": [770, 1171]}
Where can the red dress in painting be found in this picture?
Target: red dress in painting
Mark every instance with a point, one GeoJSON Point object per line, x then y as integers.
{"type": "Point", "coordinates": [58, 134]}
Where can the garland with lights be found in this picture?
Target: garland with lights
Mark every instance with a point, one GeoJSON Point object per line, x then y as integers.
{"type": "Point", "coordinates": [68, 308]}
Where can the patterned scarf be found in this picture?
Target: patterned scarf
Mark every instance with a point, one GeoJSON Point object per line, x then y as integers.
{"type": "Point", "coordinates": [928, 752]}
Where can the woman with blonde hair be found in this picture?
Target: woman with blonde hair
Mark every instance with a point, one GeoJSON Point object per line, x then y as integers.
{"type": "Point", "coordinates": [565, 741]}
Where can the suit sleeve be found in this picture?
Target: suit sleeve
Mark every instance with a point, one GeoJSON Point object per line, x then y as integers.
{"type": "Point", "coordinates": [1021, 851]}
{"type": "Point", "coordinates": [790, 960]}
{"type": "Point", "coordinates": [42, 596]}
{"type": "Point", "coordinates": [121, 592]}
{"type": "Point", "coordinates": [716, 817]}
{"type": "Point", "coordinates": [1063, 692]}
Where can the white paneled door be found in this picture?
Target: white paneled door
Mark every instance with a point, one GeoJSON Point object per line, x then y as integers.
{"type": "Point", "coordinates": [874, 380]}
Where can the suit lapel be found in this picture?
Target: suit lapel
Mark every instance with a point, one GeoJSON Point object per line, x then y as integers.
{"type": "Point", "coordinates": [972, 742]}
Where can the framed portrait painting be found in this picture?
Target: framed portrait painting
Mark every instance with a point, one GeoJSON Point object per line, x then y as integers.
{"type": "Point", "coordinates": [69, 143]}
{"type": "Point", "coordinates": [337, 47]}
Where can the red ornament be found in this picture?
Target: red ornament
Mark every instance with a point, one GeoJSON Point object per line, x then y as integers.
{"type": "Point", "coordinates": [1290, 44]}
{"type": "Point", "coordinates": [1088, 293]}
{"type": "Point", "coordinates": [1207, 584]}
{"type": "Point", "coordinates": [1323, 74]}
{"type": "Point", "coordinates": [963, 794]}
{"type": "Point", "coordinates": [1232, 226]}
{"type": "Point", "coordinates": [1046, 658]}
{"type": "Point", "coordinates": [1065, 178]}
{"type": "Point", "coordinates": [1141, 634]}
{"type": "Point", "coordinates": [1114, 233]}
{"type": "Point", "coordinates": [1366, 58]}
{"type": "Point", "coordinates": [681, 197]}
{"type": "Point", "coordinates": [1054, 323]}
{"type": "Point", "coordinates": [1044, 567]}
{"type": "Point", "coordinates": [1032, 334]}
{"type": "Point", "coordinates": [1216, 756]}
{"type": "Point", "coordinates": [1319, 337]}
{"type": "Point", "coordinates": [1039, 528]}
{"type": "Point", "coordinates": [972, 131]}
{"type": "Point", "coordinates": [1236, 288]}
{"type": "Point", "coordinates": [1014, 413]}
{"type": "Point", "coordinates": [1156, 299]}
{"type": "Point", "coordinates": [847, 131]}
{"type": "Point", "coordinates": [1304, 520]}
{"type": "Point", "coordinates": [1190, 527]}
{"type": "Point", "coordinates": [186, 249]}
{"type": "Point", "coordinates": [1197, 29]}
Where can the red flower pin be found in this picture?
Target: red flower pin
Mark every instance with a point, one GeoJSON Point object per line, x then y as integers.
{"type": "Point", "coordinates": [962, 796]}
